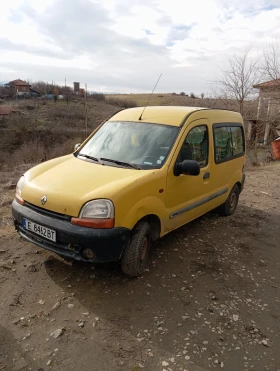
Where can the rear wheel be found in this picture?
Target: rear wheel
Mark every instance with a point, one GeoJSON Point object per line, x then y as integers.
{"type": "Point", "coordinates": [135, 256]}
{"type": "Point", "coordinates": [229, 207]}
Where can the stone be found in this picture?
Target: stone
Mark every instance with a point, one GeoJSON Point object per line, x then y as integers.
{"type": "Point", "coordinates": [57, 333]}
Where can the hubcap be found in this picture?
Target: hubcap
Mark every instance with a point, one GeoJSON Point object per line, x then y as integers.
{"type": "Point", "coordinates": [144, 249]}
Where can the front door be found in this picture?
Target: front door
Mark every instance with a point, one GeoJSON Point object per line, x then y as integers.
{"type": "Point", "coordinates": [187, 195]}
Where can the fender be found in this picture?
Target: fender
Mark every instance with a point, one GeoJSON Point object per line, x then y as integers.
{"type": "Point", "coordinates": [144, 207]}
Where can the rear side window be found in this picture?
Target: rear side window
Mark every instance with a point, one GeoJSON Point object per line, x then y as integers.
{"type": "Point", "coordinates": [229, 142]}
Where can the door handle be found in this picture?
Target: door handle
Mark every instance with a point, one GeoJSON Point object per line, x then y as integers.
{"type": "Point", "coordinates": [206, 175]}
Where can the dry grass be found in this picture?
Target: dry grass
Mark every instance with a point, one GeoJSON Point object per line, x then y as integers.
{"type": "Point", "coordinates": [250, 107]}
{"type": "Point", "coordinates": [46, 129]}
{"type": "Point", "coordinates": [8, 179]}
{"type": "Point", "coordinates": [122, 103]}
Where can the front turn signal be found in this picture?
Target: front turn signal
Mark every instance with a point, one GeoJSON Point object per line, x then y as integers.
{"type": "Point", "coordinates": [94, 223]}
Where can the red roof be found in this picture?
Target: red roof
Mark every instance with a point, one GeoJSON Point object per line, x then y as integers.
{"type": "Point", "coordinates": [268, 84]}
{"type": "Point", "coordinates": [18, 82]}
{"type": "Point", "coordinates": [4, 110]}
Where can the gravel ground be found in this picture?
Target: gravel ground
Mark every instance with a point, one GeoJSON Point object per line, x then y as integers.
{"type": "Point", "coordinates": [209, 300]}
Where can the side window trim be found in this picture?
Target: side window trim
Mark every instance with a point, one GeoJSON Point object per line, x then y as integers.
{"type": "Point", "coordinates": [223, 125]}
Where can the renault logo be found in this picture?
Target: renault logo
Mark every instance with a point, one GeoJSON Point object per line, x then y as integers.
{"type": "Point", "coordinates": [43, 200]}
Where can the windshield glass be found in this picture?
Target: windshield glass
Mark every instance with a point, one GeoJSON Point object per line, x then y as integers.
{"type": "Point", "coordinates": [143, 144]}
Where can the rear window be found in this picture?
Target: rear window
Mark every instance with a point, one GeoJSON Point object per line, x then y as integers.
{"type": "Point", "coordinates": [229, 142]}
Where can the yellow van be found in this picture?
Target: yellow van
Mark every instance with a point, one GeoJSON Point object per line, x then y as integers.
{"type": "Point", "coordinates": [137, 177]}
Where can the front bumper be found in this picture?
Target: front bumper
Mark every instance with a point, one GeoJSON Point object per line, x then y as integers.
{"type": "Point", "coordinates": [106, 244]}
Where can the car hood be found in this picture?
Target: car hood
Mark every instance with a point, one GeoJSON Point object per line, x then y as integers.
{"type": "Point", "coordinates": [69, 182]}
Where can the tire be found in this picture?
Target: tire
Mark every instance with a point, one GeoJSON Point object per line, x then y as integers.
{"type": "Point", "coordinates": [135, 256]}
{"type": "Point", "coordinates": [228, 208]}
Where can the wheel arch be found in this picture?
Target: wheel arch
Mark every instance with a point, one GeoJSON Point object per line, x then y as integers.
{"type": "Point", "coordinates": [239, 186]}
{"type": "Point", "coordinates": [155, 225]}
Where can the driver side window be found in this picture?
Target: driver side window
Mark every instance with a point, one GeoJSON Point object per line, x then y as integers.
{"type": "Point", "coordinates": [195, 146]}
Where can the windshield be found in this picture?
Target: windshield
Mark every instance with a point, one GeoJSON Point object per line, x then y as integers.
{"type": "Point", "coordinates": [143, 144]}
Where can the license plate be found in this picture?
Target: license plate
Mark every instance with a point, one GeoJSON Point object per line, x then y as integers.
{"type": "Point", "coordinates": [45, 232]}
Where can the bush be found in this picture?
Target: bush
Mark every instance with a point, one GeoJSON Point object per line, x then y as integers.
{"type": "Point", "coordinates": [64, 112]}
{"type": "Point", "coordinates": [32, 151]}
{"type": "Point", "coordinates": [28, 106]}
{"type": "Point", "coordinates": [121, 102]}
{"type": "Point", "coordinates": [98, 96]}
{"type": "Point", "coordinates": [65, 148]}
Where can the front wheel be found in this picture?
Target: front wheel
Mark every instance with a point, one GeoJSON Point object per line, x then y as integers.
{"type": "Point", "coordinates": [229, 207]}
{"type": "Point", "coordinates": [136, 254]}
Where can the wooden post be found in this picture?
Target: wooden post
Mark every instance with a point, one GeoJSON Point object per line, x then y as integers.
{"type": "Point", "coordinates": [249, 131]}
{"type": "Point", "coordinates": [266, 133]}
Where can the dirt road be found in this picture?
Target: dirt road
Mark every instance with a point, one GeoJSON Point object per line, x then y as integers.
{"type": "Point", "coordinates": [210, 299]}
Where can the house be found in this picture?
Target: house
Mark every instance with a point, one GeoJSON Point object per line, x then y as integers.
{"type": "Point", "coordinates": [269, 98]}
{"type": "Point", "coordinates": [19, 88]}
{"type": "Point", "coordinates": [268, 114]}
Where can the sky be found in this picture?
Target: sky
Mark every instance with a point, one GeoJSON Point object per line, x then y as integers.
{"type": "Point", "coordinates": [124, 45]}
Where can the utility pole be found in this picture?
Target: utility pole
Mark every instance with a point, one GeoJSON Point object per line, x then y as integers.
{"type": "Point", "coordinates": [86, 109]}
{"type": "Point", "coordinates": [65, 82]}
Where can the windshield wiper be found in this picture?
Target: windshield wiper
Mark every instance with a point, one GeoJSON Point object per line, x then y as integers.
{"type": "Point", "coordinates": [91, 158]}
{"type": "Point", "coordinates": [133, 166]}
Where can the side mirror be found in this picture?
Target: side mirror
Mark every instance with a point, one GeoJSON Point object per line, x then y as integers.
{"type": "Point", "coordinates": [76, 146]}
{"type": "Point", "coordinates": [187, 167]}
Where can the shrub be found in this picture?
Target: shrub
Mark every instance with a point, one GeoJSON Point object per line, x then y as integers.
{"type": "Point", "coordinates": [32, 151]}
{"type": "Point", "coordinates": [124, 103]}
{"type": "Point", "coordinates": [61, 112]}
{"type": "Point", "coordinates": [98, 96]}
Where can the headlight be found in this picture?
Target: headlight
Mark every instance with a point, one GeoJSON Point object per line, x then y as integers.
{"type": "Point", "coordinates": [96, 214]}
{"type": "Point", "coordinates": [98, 209]}
{"type": "Point", "coordinates": [19, 187]}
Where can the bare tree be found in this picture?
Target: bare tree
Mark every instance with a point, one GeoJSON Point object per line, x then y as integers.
{"type": "Point", "coordinates": [5, 92]}
{"type": "Point", "coordinates": [269, 96]}
{"type": "Point", "coordinates": [237, 80]}
{"type": "Point", "coordinates": [271, 61]}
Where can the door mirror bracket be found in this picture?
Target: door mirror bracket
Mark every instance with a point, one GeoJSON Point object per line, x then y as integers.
{"type": "Point", "coordinates": [77, 146]}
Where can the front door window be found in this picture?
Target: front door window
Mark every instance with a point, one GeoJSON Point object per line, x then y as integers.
{"type": "Point", "coordinates": [195, 146]}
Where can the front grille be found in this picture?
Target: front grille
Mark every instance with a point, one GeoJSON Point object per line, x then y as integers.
{"type": "Point", "coordinates": [47, 212]}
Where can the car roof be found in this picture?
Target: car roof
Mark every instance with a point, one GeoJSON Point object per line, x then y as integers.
{"type": "Point", "coordinates": [166, 115]}
{"type": "Point", "coordinates": [169, 115]}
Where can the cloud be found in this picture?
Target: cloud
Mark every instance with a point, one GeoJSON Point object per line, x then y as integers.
{"type": "Point", "coordinates": [124, 46]}
{"type": "Point", "coordinates": [8, 45]}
